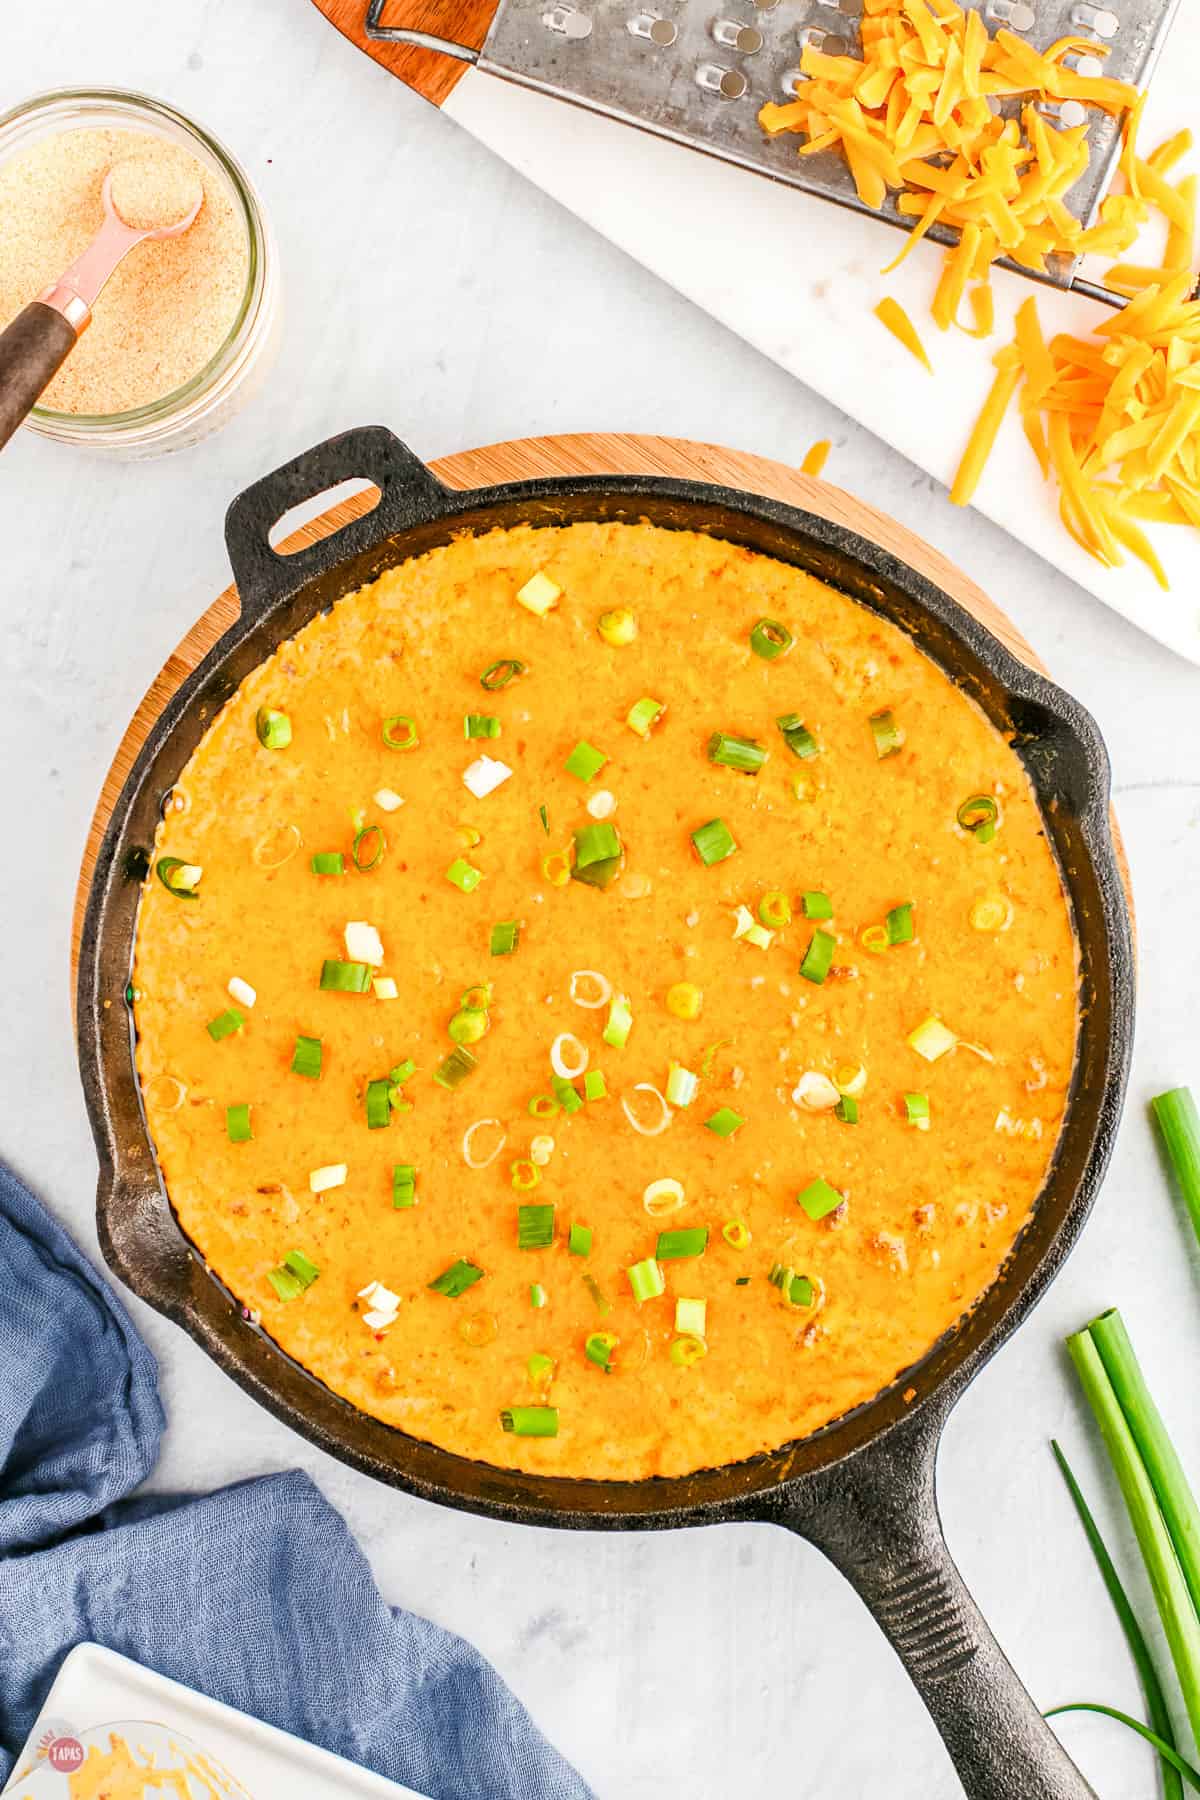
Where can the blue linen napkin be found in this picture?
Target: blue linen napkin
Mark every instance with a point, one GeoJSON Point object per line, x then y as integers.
{"type": "Point", "coordinates": [256, 1595]}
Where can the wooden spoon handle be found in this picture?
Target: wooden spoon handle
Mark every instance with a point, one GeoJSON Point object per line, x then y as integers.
{"type": "Point", "coordinates": [32, 351]}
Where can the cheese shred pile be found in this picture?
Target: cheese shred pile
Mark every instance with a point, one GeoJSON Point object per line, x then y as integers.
{"type": "Point", "coordinates": [1114, 419]}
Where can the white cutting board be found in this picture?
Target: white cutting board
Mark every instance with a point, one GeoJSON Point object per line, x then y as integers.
{"type": "Point", "coordinates": [798, 278]}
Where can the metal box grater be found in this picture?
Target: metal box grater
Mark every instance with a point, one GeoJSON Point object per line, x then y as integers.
{"type": "Point", "coordinates": [698, 72]}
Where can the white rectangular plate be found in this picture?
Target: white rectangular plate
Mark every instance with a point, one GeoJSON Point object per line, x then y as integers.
{"type": "Point", "coordinates": [124, 1717]}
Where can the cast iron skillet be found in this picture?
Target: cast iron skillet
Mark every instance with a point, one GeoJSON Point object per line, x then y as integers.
{"type": "Point", "coordinates": [862, 1489]}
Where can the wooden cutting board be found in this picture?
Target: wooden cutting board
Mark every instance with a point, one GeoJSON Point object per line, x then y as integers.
{"type": "Point", "coordinates": [573, 454]}
{"type": "Point", "coordinates": [430, 73]}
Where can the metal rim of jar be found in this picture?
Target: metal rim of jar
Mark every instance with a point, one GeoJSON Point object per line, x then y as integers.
{"type": "Point", "coordinates": [170, 415]}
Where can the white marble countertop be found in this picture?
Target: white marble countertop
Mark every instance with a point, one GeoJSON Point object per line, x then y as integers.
{"type": "Point", "coordinates": [429, 288]}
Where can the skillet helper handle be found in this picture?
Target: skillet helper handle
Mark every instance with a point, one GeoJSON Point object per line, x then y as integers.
{"type": "Point", "coordinates": [409, 494]}
{"type": "Point", "coordinates": [876, 1519]}
{"type": "Point", "coordinates": [32, 351]}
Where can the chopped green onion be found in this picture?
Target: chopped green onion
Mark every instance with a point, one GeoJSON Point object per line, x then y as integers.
{"type": "Point", "coordinates": [535, 1227]}
{"type": "Point", "coordinates": [796, 735]}
{"type": "Point", "coordinates": [237, 1124]}
{"type": "Point", "coordinates": [497, 675]}
{"type": "Point", "coordinates": [617, 628]}
{"type": "Point", "coordinates": [724, 1122]}
{"type": "Point", "coordinates": [468, 1027]}
{"type": "Point", "coordinates": [1179, 1123]}
{"type": "Point", "coordinates": [585, 761]}
{"type": "Point", "coordinates": [453, 1070]}
{"type": "Point", "coordinates": [691, 1317]}
{"type": "Point", "coordinates": [530, 1421]}
{"type": "Point", "coordinates": [286, 1286]}
{"type": "Point", "coordinates": [887, 734]}
{"type": "Point", "coordinates": [714, 842]}
{"type": "Point", "coordinates": [742, 754]}
{"type": "Point", "coordinates": [402, 1070]}
{"type": "Point", "coordinates": [900, 928]}
{"type": "Point", "coordinates": [797, 1290]}
{"type": "Point", "coordinates": [673, 1245]}
{"type": "Point", "coordinates": [770, 639]}
{"type": "Point", "coordinates": [544, 816]}
{"type": "Point", "coordinates": [481, 725]}
{"type": "Point", "coordinates": [745, 930]}
{"type": "Point", "coordinates": [328, 862]}
{"type": "Point", "coordinates": [566, 1093]}
{"type": "Point", "coordinates": [598, 1348]}
{"type": "Point", "coordinates": [736, 1233]}
{"type": "Point", "coordinates": [818, 958]}
{"type": "Point", "coordinates": [306, 1057]}
{"type": "Point", "coordinates": [774, 909]}
{"type": "Point", "coordinates": [274, 728]}
{"type": "Point", "coordinates": [298, 1264]}
{"type": "Point", "coordinates": [620, 1022]}
{"type": "Point", "coordinates": [979, 815]}
{"type": "Point", "coordinates": [379, 1105]}
{"type": "Point", "coordinates": [579, 1242]}
{"type": "Point", "coordinates": [369, 846]}
{"type": "Point", "coordinates": [537, 1295]}
{"type": "Point", "coordinates": [225, 1024]}
{"type": "Point", "coordinates": [477, 998]}
{"type": "Point", "coordinates": [687, 1350]}
{"type": "Point", "coordinates": [178, 877]}
{"type": "Point", "coordinates": [594, 1085]}
{"type": "Point", "coordinates": [647, 1280]}
{"type": "Point", "coordinates": [404, 1185]}
{"type": "Point", "coordinates": [819, 1199]}
{"type": "Point", "coordinates": [916, 1110]}
{"type": "Point", "coordinates": [505, 938]}
{"type": "Point", "coordinates": [346, 977]}
{"type": "Point", "coordinates": [682, 1086]}
{"type": "Point", "coordinates": [400, 732]}
{"type": "Point", "coordinates": [525, 1174]}
{"type": "Point", "coordinates": [540, 1369]}
{"type": "Point", "coordinates": [544, 1106]}
{"type": "Point", "coordinates": [597, 855]}
{"type": "Point", "coordinates": [455, 1280]}
{"type": "Point", "coordinates": [464, 875]}
{"type": "Point", "coordinates": [847, 1110]}
{"type": "Point", "coordinates": [602, 1304]}
{"type": "Point", "coordinates": [816, 905]}
{"type": "Point", "coordinates": [932, 1039]}
{"type": "Point", "coordinates": [644, 715]}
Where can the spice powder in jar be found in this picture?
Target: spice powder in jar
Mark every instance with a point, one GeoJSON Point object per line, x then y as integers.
{"type": "Point", "coordinates": [169, 307]}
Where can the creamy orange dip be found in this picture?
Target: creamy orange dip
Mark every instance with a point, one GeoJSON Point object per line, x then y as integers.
{"type": "Point", "coordinates": [862, 1106]}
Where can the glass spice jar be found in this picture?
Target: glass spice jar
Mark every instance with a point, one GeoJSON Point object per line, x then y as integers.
{"type": "Point", "coordinates": [222, 386]}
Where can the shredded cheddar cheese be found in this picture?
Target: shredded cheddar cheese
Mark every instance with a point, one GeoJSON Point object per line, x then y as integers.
{"type": "Point", "coordinates": [889, 312]}
{"type": "Point", "coordinates": [815, 456]}
{"type": "Point", "coordinates": [913, 117]}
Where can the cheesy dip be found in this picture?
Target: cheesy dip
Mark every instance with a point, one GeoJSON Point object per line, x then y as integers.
{"type": "Point", "coordinates": [605, 1001]}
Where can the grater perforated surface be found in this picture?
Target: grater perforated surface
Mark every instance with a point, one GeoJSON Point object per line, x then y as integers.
{"type": "Point", "coordinates": [699, 72]}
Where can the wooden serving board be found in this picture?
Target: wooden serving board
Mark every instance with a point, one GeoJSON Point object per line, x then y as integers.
{"type": "Point", "coordinates": [573, 454]}
{"type": "Point", "coordinates": [430, 73]}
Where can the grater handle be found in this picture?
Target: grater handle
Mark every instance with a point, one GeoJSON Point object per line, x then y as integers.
{"type": "Point", "coordinates": [875, 1517]}
{"type": "Point", "coordinates": [32, 351]}
{"type": "Point", "coordinates": [408, 495]}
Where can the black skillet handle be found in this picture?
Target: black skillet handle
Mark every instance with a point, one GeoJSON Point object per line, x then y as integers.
{"type": "Point", "coordinates": [876, 1518]}
{"type": "Point", "coordinates": [408, 495]}
{"type": "Point", "coordinates": [32, 351]}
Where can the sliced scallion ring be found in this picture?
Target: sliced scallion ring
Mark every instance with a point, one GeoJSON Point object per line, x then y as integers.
{"type": "Point", "coordinates": [369, 846]}
{"type": "Point", "coordinates": [980, 815]}
{"type": "Point", "coordinates": [400, 732]}
{"type": "Point", "coordinates": [497, 675]}
{"type": "Point", "coordinates": [770, 640]}
{"type": "Point", "coordinates": [179, 877]}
